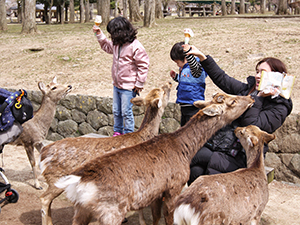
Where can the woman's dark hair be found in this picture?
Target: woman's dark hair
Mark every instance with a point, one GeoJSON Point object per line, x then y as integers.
{"type": "Point", "coordinates": [176, 52]}
{"type": "Point", "coordinates": [121, 31]}
{"type": "Point", "coordinates": [276, 65]}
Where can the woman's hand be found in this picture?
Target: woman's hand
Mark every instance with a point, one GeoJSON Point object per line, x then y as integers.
{"type": "Point", "coordinates": [194, 51]}
{"type": "Point", "coordinates": [274, 91]}
{"type": "Point", "coordinates": [96, 30]}
{"type": "Point", "coordinates": [137, 90]}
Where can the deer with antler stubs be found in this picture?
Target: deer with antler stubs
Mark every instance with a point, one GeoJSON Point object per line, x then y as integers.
{"type": "Point", "coordinates": [132, 178]}
{"type": "Point", "coordinates": [36, 129]}
{"type": "Point", "coordinates": [62, 157]}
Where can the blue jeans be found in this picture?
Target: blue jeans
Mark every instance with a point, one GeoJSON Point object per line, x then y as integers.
{"type": "Point", "coordinates": [122, 110]}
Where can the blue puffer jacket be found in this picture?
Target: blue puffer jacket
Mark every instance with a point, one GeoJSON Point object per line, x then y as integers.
{"type": "Point", "coordinates": [190, 89]}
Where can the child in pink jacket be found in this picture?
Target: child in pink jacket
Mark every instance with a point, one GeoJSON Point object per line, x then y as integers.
{"type": "Point", "coordinates": [129, 69]}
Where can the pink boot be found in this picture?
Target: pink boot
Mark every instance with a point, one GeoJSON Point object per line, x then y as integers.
{"type": "Point", "coordinates": [116, 134]}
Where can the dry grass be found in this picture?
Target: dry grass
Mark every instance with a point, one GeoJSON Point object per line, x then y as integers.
{"type": "Point", "coordinates": [236, 43]}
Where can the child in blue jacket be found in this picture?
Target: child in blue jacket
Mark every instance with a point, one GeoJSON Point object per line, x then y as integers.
{"type": "Point", "coordinates": [191, 80]}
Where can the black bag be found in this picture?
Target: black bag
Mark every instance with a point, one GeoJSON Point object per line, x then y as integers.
{"type": "Point", "coordinates": [22, 109]}
{"type": "Point", "coordinates": [225, 141]}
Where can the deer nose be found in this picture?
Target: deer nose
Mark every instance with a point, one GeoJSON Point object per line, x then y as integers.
{"type": "Point", "coordinates": [70, 86]}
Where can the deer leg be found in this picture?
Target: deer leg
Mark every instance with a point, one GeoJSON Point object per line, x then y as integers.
{"type": "Point", "coordinates": [46, 199]}
{"type": "Point", "coordinates": [156, 210]}
{"type": "Point", "coordinates": [82, 216]}
{"type": "Point", "coordinates": [30, 154]}
{"type": "Point", "coordinates": [141, 218]}
{"type": "Point", "coordinates": [169, 203]}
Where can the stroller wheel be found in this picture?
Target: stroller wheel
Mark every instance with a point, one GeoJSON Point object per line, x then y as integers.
{"type": "Point", "coordinates": [12, 195]}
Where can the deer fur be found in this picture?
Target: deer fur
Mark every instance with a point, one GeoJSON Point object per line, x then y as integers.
{"type": "Point", "coordinates": [62, 157]}
{"type": "Point", "coordinates": [238, 197]}
{"type": "Point", "coordinates": [132, 178]}
{"type": "Point", "coordinates": [36, 129]}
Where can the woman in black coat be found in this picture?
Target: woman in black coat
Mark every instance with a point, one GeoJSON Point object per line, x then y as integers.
{"type": "Point", "coordinates": [223, 152]}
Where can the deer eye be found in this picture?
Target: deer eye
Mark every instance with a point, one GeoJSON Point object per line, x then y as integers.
{"type": "Point", "coordinates": [233, 102]}
{"type": "Point", "coordinates": [53, 88]}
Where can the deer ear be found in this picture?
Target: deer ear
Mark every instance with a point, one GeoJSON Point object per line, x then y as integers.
{"type": "Point", "coordinates": [252, 141]}
{"type": "Point", "coordinates": [201, 104]}
{"type": "Point", "coordinates": [42, 87]}
{"type": "Point", "coordinates": [268, 137]}
{"type": "Point", "coordinates": [156, 102]}
{"type": "Point", "coordinates": [138, 101]}
{"type": "Point", "coordinates": [212, 110]}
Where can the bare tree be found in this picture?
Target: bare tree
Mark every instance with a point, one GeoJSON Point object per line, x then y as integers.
{"type": "Point", "coordinates": [223, 8]}
{"type": "Point", "coordinates": [262, 6]}
{"type": "Point", "coordinates": [242, 7]}
{"type": "Point", "coordinates": [158, 9]}
{"type": "Point", "coordinates": [99, 7]}
{"type": "Point", "coordinates": [134, 10]}
{"type": "Point", "coordinates": [105, 11]}
{"type": "Point", "coordinates": [3, 23]}
{"type": "Point", "coordinates": [28, 19]}
{"type": "Point", "coordinates": [72, 14]}
{"type": "Point", "coordinates": [62, 11]}
{"type": "Point", "coordinates": [232, 7]}
{"type": "Point", "coordinates": [282, 7]}
{"type": "Point", "coordinates": [81, 11]}
{"type": "Point", "coordinates": [125, 8]}
{"type": "Point", "coordinates": [87, 11]}
{"type": "Point", "coordinates": [149, 16]}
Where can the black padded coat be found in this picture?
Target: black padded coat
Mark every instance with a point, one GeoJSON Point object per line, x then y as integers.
{"type": "Point", "coordinates": [266, 113]}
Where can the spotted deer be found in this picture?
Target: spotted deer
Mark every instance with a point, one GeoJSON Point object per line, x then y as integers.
{"type": "Point", "coordinates": [107, 187]}
{"type": "Point", "coordinates": [237, 197]}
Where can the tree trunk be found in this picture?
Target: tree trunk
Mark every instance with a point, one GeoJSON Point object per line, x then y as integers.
{"type": "Point", "coordinates": [98, 7]}
{"type": "Point", "coordinates": [232, 7]}
{"type": "Point", "coordinates": [62, 12]}
{"type": "Point", "coordinates": [282, 7]}
{"type": "Point", "coordinates": [87, 11]}
{"type": "Point", "coordinates": [125, 8]}
{"type": "Point", "coordinates": [223, 8]}
{"type": "Point", "coordinates": [116, 9]}
{"type": "Point", "coordinates": [242, 7]}
{"type": "Point", "coordinates": [28, 20]}
{"type": "Point", "coordinates": [81, 8]}
{"type": "Point", "coordinates": [105, 11]}
{"type": "Point", "coordinates": [134, 10]}
{"type": "Point", "coordinates": [158, 9]}
{"type": "Point", "coordinates": [149, 16]}
{"type": "Point", "coordinates": [262, 6]}
{"type": "Point", "coordinates": [3, 22]}
{"type": "Point", "coordinates": [72, 12]}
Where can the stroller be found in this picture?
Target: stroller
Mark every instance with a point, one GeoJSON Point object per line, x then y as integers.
{"type": "Point", "coordinates": [15, 109]}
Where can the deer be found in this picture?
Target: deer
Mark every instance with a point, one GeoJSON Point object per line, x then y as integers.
{"type": "Point", "coordinates": [132, 178]}
{"type": "Point", "coordinates": [237, 197]}
{"type": "Point", "coordinates": [62, 157]}
{"type": "Point", "coordinates": [36, 129]}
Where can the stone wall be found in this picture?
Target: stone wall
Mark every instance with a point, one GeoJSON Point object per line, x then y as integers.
{"type": "Point", "coordinates": [77, 115]}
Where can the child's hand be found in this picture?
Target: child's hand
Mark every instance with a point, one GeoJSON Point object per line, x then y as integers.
{"type": "Point", "coordinates": [96, 30]}
{"type": "Point", "coordinates": [173, 74]}
{"type": "Point", "coordinates": [186, 47]}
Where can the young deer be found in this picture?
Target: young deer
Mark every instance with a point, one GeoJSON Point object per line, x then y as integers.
{"type": "Point", "coordinates": [62, 157]}
{"type": "Point", "coordinates": [238, 197]}
{"type": "Point", "coordinates": [132, 178]}
{"type": "Point", "coordinates": [36, 129]}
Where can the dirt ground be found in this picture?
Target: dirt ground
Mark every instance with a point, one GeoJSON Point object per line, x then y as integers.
{"type": "Point", "coordinates": [71, 53]}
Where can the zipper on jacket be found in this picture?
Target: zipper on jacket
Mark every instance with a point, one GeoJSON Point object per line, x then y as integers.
{"type": "Point", "coordinates": [119, 52]}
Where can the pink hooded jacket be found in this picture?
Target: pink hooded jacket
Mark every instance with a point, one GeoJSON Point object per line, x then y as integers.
{"type": "Point", "coordinates": [130, 68]}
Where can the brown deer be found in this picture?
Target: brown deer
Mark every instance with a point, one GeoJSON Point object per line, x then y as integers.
{"type": "Point", "coordinates": [36, 129]}
{"type": "Point", "coordinates": [62, 157]}
{"type": "Point", "coordinates": [238, 197]}
{"type": "Point", "coordinates": [132, 178]}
